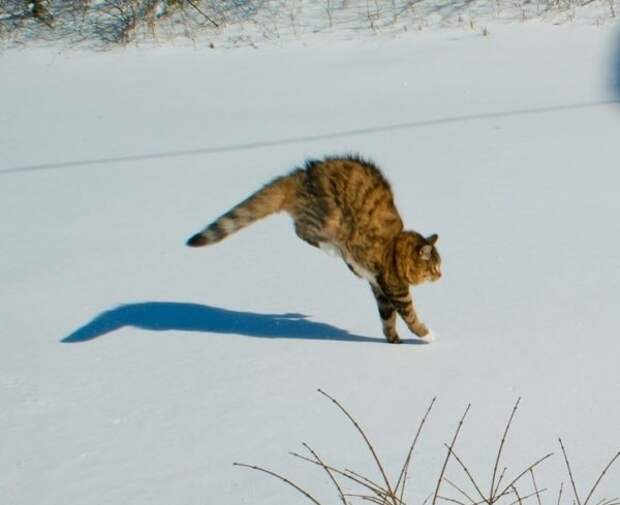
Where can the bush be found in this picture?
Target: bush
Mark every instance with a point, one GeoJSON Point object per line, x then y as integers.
{"type": "Point", "coordinates": [386, 491]}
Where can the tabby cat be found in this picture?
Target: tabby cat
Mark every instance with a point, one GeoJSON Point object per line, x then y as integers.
{"type": "Point", "coordinates": [345, 206]}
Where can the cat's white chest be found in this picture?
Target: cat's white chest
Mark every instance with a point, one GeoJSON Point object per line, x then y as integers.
{"type": "Point", "coordinates": [362, 272]}
{"type": "Point", "coordinates": [334, 251]}
{"type": "Point", "coordinates": [330, 249]}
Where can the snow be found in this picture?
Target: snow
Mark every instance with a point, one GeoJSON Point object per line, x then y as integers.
{"type": "Point", "coordinates": [136, 370]}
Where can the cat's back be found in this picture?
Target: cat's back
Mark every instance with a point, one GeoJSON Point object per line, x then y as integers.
{"type": "Point", "coordinates": [360, 197]}
{"type": "Point", "coordinates": [347, 175]}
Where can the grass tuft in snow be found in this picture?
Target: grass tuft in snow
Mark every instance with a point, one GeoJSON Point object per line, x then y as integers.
{"type": "Point", "coordinates": [386, 491]}
{"type": "Point", "coordinates": [104, 23]}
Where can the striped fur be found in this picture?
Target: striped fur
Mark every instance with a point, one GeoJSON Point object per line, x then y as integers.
{"type": "Point", "coordinates": [273, 197]}
{"type": "Point", "coordinates": [345, 204]}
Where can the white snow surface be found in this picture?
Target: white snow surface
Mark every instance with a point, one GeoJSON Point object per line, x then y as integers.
{"type": "Point", "coordinates": [177, 361]}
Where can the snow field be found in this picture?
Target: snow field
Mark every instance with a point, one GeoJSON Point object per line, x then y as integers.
{"type": "Point", "coordinates": [506, 146]}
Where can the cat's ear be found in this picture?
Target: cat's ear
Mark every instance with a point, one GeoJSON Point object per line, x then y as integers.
{"type": "Point", "coordinates": [432, 240]}
{"type": "Point", "coordinates": [425, 252]}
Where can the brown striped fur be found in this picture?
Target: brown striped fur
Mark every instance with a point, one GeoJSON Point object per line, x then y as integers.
{"type": "Point", "coordinates": [346, 204]}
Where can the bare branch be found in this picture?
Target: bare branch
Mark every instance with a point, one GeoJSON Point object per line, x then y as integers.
{"type": "Point", "coordinates": [366, 479]}
{"type": "Point", "coordinates": [449, 453]}
{"type": "Point", "coordinates": [501, 447]}
{"type": "Point", "coordinates": [370, 447]}
{"type": "Point", "coordinates": [373, 499]}
{"type": "Point", "coordinates": [471, 478]}
{"type": "Point", "coordinates": [535, 486]}
{"type": "Point", "coordinates": [499, 481]}
{"type": "Point", "coordinates": [459, 490]}
{"type": "Point", "coordinates": [519, 500]}
{"type": "Point", "coordinates": [402, 478]}
{"type": "Point", "coordinates": [284, 479]}
{"type": "Point", "coordinates": [518, 477]}
{"type": "Point", "coordinates": [329, 472]}
{"type": "Point", "coordinates": [570, 472]}
{"type": "Point", "coordinates": [600, 477]}
{"type": "Point", "coordinates": [193, 4]}
{"type": "Point", "coordinates": [377, 490]}
{"type": "Point", "coordinates": [523, 498]}
{"type": "Point", "coordinates": [451, 500]}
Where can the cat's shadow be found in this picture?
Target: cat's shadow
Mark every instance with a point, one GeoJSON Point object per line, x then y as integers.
{"type": "Point", "coordinates": [164, 316]}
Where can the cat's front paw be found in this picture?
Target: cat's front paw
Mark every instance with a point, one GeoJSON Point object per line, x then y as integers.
{"type": "Point", "coordinates": [392, 337]}
{"type": "Point", "coordinates": [428, 337]}
{"type": "Point", "coordinates": [419, 329]}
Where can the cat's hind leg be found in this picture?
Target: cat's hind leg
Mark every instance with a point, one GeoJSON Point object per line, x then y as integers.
{"type": "Point", "coordinates": [388, 315]}
{"type": "Point", "coordinates": [308, 236]}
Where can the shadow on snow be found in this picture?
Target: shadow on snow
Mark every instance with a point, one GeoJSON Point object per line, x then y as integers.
{"type": "Point", "coordinates": [328, 135]}
{"type": "Point", "coordinates": [165, 316]}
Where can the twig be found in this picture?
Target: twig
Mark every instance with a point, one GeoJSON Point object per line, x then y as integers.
{"type": "Point", "coordinates": [201, 12]}
{"type": "Point", "coordinates": [535, 486]}
{"type": "Point", "coordinates": [560, 492]}
{"type": "Point", "coordinates": [570, 472]}
{"type": "Point", "coordinates": [402, 478]}
{"type": "Point", "coordinates": [527, 496]}
{"type": "Point", "coordinates": [459, 490]}
{"type": "Point", "coordinates": [501, 447]}
{"type": "Point", "coordinates": [452, 500]}
{"type": "Point", "coordinates": [518, 477]}
{"type": "Point", "coordinates": [284, 479]}
{"type": "Point", "coordinates": [366, 479]}
{"type": "Point", "coordinates": [600, 477]}
{"type": "Point", "coordinates": [471, 478]}
{"type": "Point", "coordinates": [519, 500]}
{"type": "Point", "coordinates": [370, 447]}
{"type": "Point", "coordinates": [377, 490]}
{"type": "Point", "coordinates": [328, 471]}
{"type": "Point", "coordinates": [367, 498]}
{"type": "Point", "coordinates": [499, 481]}
{"type": "Point", "coordinates": [449, 453]}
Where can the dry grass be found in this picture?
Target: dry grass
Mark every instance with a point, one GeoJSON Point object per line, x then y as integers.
{"type": "Point", "coordinates": [111, 22]}
{"type": "Point", "coordinates": [511, 490]}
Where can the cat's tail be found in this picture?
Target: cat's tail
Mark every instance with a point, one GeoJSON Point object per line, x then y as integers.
{"type": "Point", "coordinates": [274, 197]}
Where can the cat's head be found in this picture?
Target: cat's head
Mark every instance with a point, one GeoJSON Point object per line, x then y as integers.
{"type": "Point", "coordinates": [417, 258]}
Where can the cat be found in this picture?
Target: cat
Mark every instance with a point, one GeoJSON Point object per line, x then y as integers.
{"type": "Point", "coordinates": [345, 206]}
